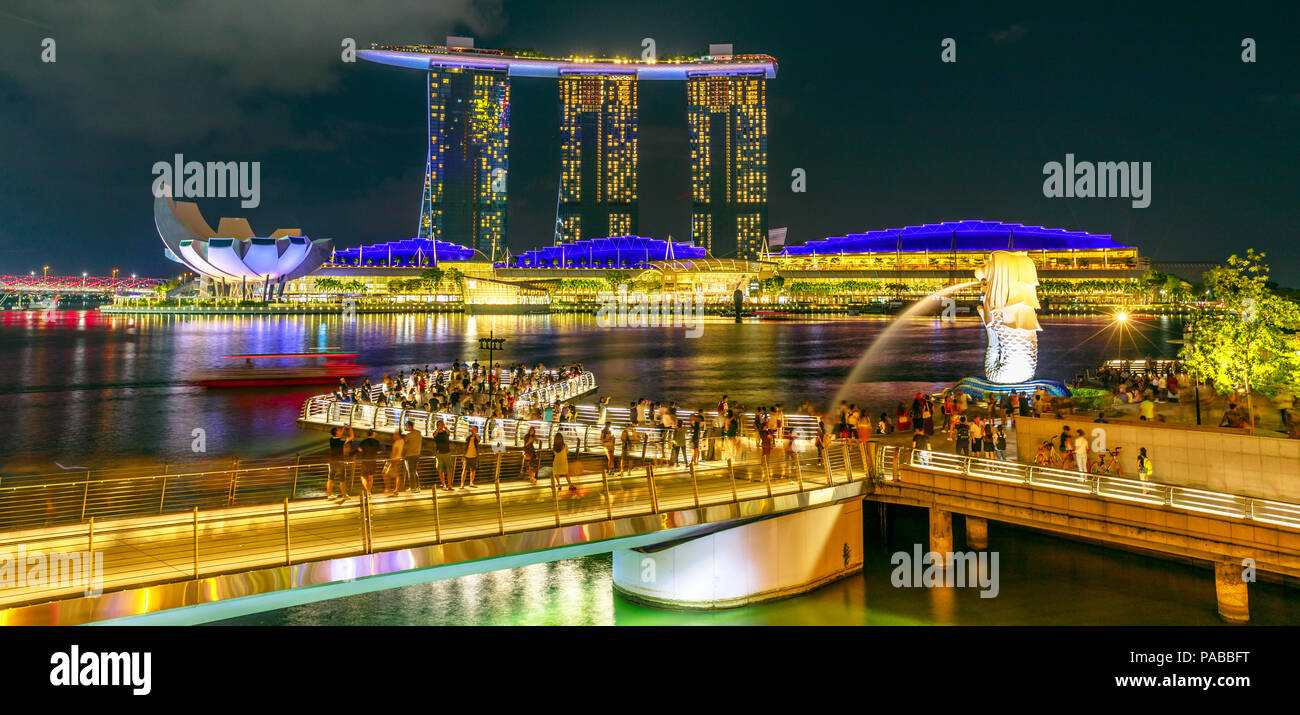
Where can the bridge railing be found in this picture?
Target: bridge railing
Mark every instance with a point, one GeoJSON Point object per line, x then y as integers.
{"type": "Point", "coordinates": [193, 525]}
{"type": "Point", "coordinates": [1133, 490]}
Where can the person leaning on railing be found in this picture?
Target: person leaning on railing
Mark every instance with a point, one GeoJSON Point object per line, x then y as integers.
{"type": "Point", "coordinates": [369, 457]}
{"type": "Point", "coordinates": [337, 464]}
{"type": "Point", "coordinates": [395, 466]}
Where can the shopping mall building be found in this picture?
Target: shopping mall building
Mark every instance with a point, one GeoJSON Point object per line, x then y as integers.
{"type": "Point", "coordinates": [875, 265]}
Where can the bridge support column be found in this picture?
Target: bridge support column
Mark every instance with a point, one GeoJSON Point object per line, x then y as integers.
{"type": "Point", "coordinates": [761, 560]}
{"type": "Point", "coordinates": [977, 533]}
{"type": "Point", "coordinates": [940, 531]}
{"type": "Point", "coordinates": [1231, 591]}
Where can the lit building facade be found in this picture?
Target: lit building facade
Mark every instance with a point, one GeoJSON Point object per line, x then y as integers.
{"type": "Point", "coordinates": [598, 157]}
{"type": "Point", "coordinates": [598, 193]}
{"type": "Point", "coordinates": [727, 120]}
{"type": "Point", "coordinates": [465, 174]}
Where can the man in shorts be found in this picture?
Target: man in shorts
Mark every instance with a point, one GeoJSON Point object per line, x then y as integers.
{"type": "Point", "coordinates": [411, 454]}
{"type": "Point", "coordinates": [963, 437]}
{"type": "Point", "coordinates": [442, 453]}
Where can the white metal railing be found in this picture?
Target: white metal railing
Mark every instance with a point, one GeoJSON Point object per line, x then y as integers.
{"type": "Point", "coordinates": [651, 441]}
{"type": "Point", "coordinates": [568, 389]}
{"type": "Point", "coordinates": [1152, 493]}
{"type": "Point", "coordinates": [555, 391]}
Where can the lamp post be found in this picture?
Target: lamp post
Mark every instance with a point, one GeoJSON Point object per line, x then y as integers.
{"type": "Point", "coordinates": [490, 344]}
{"type": "Point", "coordinates": [1121, 318]}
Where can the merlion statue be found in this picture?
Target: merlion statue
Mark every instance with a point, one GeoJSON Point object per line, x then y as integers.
{"type": "Point", "coordinates": [1008, 280]}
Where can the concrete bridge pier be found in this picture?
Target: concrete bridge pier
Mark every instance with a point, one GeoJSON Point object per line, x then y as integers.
{"type": "Point", "coordinates": [977, 533]}
{"type": "Point", "coordinates": [1231, 591]}
{"type": "Point", "coordinates": [759, 560]}
{"type": "Point", "coordinates": [940, 532]}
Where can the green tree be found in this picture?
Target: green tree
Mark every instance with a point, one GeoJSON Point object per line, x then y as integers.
{"type": "Point", "coordinates": [457, 279]}
{"type": "Point", "coordinates": [329, 285]}
{"type": "Point", "coordinates": [1250, 342]}
{"type": "Point", "coordinates": [434, 277]}
{"type": "Point", "coordinates": [616, 277]}
{"type": "Point", "coordinates": [650, 281]}
{"type": "Point", "coordinates": [1175, 289]}
{"type": "Point", "coordinates": [1152, 280]}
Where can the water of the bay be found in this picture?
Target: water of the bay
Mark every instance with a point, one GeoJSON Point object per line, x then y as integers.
{"type": "Point", "coordinates": [91, 390]}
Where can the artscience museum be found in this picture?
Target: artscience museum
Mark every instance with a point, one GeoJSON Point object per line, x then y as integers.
{"type": "Point", "coordinates": [232, 260]}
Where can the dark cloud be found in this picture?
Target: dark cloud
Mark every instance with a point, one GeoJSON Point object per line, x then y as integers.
{"type": "Point", "coordinates": [1008, 35]}
{"type": "Point", "coordinates": [180, 71]}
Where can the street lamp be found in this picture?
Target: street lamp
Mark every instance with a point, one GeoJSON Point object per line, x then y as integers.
{"type": "Point", "coordinates": [490, 344]}
{"type": "Point", "coordinates": [1121, 320]}
{"type": "Point", "coordinates": [45, 272]}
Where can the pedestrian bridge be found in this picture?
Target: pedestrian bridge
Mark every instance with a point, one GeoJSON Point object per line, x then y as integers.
{"type": "Point", "coordinates": [178, 540]}
{"type": "Point", "coordinates": [205, 545]}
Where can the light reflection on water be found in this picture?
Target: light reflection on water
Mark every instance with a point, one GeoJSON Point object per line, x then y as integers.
{"type": "Point", "coordinates": [97, 389]}
{"type": "Point", "coordinates": [1043, 581]}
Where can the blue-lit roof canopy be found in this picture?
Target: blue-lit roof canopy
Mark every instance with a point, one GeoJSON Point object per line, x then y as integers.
{"type": "Point", "coordinates": [613, 252]}
{"type": "Point", "coordinates": [407, 252]}
{"type": "Point", "coordinates": [970, 235]}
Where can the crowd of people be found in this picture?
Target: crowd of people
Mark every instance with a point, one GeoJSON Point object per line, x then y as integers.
{"type": "Point", "coordinates": [663, 434]}
{"type": "Point", "coordinates": [465, 389]}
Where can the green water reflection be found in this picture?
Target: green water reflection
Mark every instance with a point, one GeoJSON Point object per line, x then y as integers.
{"type": "Point", "coordinates": [1043, 580]}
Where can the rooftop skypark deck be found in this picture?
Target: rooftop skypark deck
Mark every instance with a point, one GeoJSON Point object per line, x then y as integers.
{"type": "Point", "coordinates": [527, 64]}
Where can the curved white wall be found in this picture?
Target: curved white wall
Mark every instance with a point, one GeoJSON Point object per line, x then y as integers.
{"type": "Point", "coordinates": [758, 561]}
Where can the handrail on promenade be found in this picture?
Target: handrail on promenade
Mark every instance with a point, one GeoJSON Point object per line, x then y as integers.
{"type": "Point", "coordinates": [193, 542]}
{"type": "Point", "coordinates": [1151, 493]}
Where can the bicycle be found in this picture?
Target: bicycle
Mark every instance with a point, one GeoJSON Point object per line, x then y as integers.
{"type": "Point", "coordinates": [1108, 464]}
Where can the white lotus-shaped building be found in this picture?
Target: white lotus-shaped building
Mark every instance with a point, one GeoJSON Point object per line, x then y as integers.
{"type": "Point", "coordinates": [232, 253]}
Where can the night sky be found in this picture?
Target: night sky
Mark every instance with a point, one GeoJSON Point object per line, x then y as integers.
{"type": "Point", "coordinates": [888, 134]}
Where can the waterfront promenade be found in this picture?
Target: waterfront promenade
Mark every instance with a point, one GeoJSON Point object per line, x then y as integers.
{"type": "Point", "coordinates": [198, 556]}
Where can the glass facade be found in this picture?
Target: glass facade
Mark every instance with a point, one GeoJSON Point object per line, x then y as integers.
{"type": "Point", "coordinates": [598, 157]}
{"type": "Point", "coordinates": [465, 175]}
{"type": "Point", "coordinates": [727, 121]}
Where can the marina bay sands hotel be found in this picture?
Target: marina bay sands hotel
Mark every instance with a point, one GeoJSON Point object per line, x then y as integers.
{"type": "Point", "coordinates": [469, 124]}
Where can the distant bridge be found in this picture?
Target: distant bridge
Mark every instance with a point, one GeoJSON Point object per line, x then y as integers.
{"type": "Point", "coordinates": [76, 285]}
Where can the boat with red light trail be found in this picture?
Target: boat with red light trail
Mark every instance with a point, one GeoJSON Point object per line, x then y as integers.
{"type": "Point", "coordinates": [317, 366]}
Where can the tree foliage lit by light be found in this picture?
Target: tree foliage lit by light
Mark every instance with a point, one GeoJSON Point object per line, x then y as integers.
{"type": "Point", "coordinates": [1250, 343]}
